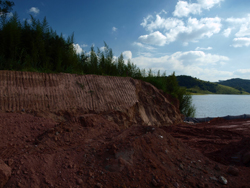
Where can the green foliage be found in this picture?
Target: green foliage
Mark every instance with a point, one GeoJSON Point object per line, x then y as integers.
{"type": "Point", "coordinates": [158, 81]}
{"type": "Point", "coordinates": [237, 83]}
{"type": "Point", "coordinates": [196, 86]}
{"type": "Point", "coordinates": [170, 85]}
{"type": "Point", "coordinates": [181, 94]}
{"type": "Point", "coordinates": [6, 7]}
{"type": "Point", "coordinates": [103, 63]}
{"type": "Point", "coordinates": [190, 82]}
{"type": "Point", "coordinates": [221, 89]}
{"type": "Point", "coordinates": [34, 46]}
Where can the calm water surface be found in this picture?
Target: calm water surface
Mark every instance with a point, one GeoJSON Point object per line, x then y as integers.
{"type": "Point", "coordinates": [221, 105]}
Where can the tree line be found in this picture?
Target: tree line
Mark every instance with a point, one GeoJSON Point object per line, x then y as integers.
{"type": "Point", "coordinates": [237, 83]}
{"type": "Point", "coordinates": [232, 86]}
{"type": "Point", "coordinates": [34, 46]}
{"type": "Point", "coordinates": [190, 82]}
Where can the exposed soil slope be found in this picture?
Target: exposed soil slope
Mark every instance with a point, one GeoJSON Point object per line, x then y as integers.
{"type": "Point", "coordinates": [132, 101]}
{"type": "Point", "coordinates": [88, 131]}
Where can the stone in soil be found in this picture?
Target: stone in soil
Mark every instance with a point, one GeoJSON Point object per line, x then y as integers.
{"type": "Point", "coordinates": [5, 173]}
{"type": "Point", "coordinates": [233, 171]}
{"type": "Point", "coordinates": [222, 180]}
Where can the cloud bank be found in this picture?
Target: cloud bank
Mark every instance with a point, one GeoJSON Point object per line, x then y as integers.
{"type": "Point", "coordinates": [167, 30]}
{"type": "Point", "coordinates": [184, 9]}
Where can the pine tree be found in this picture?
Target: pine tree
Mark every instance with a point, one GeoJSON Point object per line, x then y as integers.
{"type": "Point", "coordinates": [121, 66]}
{"type": "Point", "coordinates": [93, 61]}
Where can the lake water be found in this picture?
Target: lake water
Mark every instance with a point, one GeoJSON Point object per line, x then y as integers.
{"type": "Point", "coordinates": [221, 105]}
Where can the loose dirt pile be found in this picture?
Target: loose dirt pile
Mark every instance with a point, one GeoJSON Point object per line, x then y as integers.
{"type": "Point", "coordinates": [95, 152]}
{"type": "Point", "coordinates": [93, 131]}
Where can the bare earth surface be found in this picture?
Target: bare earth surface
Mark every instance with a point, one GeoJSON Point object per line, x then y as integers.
{"type": "Point", "coordinates": [94, 131]}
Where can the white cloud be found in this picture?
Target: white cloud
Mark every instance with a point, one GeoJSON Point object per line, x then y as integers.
{"type": "Point", "coordinates": [115, 58]}
{"type": "Point", "coordinates": [195, 63]}
{"type": "Point", "coordinates": [190, 30]}
{"type": "Point", "coordinates": [242, 23]}
{"type": "Point", "coordinates": [223, 63]}
{"type": "Point", "coordinates": [157, 62]}
{"type": "Point", "coordinates": [161, 23]}
{"type": "Point", "coordinates": [200, 48]}
{"type": "Point", "coordinates": [145, 54]}
{"type": "Point", "coordinates": [212, 59]}
{"type": "Point", "coordinates": [78, 48]}
{"type": "Point", "coordinates": [227, 32]}
{"type": "Point", "coordinates": [199, 58]}
{"type": "Point", "coordinates": [145, 20]}
{"type": "Point", "coordinates": [204, 27]}
{"type": "Point", "coordinates": [181, 59]}
{"type": "Point", "coordinates": [195, 29]}
{"type": "Point", "coordinates": [183, 8]}
{"type": "Point", "coordinates": [114, 29]}
{"type": "Point", "coordinates": [207, 4]}
{"type": "Point", "coordinates": [244, 30]}
{"type": "Point", "coordinates": [237, 20]}
{"type": "Point", "coordinates": [243, 71]}
{"type": "Point", "coordinates": [163, 12]}
{"type": "Point", "coordinates": [34, 10]}
{"type": "Point", "coordinates": [103, 48]}
{"type": "Point", "coordinates": [175, 28]}
{"type": "Point", "coordinates": [242, 36]}
{"type": "Point", "coordinates": [144, 46]}
{"type": "Point", "coordinates": [240, 42]}
{"type": "Point", "coordinates": [156, 38]}
{"type": "Point", "coordinates": [139, 44]}
{"type": "Point", "coordinates": [127, 55]}
{"type": "Point", "coordinates": [84, 45]}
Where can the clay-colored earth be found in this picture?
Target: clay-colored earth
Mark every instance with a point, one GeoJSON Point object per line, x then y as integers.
{"type": "Point", "coordinates": [63, 130]}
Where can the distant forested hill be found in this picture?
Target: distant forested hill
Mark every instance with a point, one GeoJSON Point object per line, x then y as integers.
{"type": "Point", "coordinates": [195, 85]}
{"type": "Point", "coordinates": [240, 84]}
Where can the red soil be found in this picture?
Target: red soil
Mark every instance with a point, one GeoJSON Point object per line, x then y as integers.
{"type": "Point", "coordinates": [224, 141]}
{"type": "Point", "coordinates": [59, 134]}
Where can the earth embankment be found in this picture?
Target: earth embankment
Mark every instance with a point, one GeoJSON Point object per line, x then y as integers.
{"type": "Point", "coordinates": [124, 100]}
{"type": "Point", "coordinates": [64, 130]}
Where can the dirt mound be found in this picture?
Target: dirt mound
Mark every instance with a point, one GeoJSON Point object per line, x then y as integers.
{"type": "Point", "coordinates": [123, 100]}
{"type": "Point", "coordinates": [94, 152]}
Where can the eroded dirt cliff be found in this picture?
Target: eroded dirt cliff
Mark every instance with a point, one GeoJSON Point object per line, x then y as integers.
{"type": "Point", "coordinates": [124, 100]}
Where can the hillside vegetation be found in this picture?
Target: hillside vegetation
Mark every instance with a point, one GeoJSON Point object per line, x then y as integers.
{"type": "Point", "coordinates": [34, 46]}
{"type": "Point", "coordinates": [237, 83]}
{"type": "Point", "coordinates": [197, 86]}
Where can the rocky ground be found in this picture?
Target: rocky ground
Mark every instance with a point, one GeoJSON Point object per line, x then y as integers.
{"type": "Point", "coordinates": [94, 131]}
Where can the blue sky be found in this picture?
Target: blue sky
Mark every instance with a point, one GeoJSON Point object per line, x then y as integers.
{"type": "Point", "coordinates": [207, 39]}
